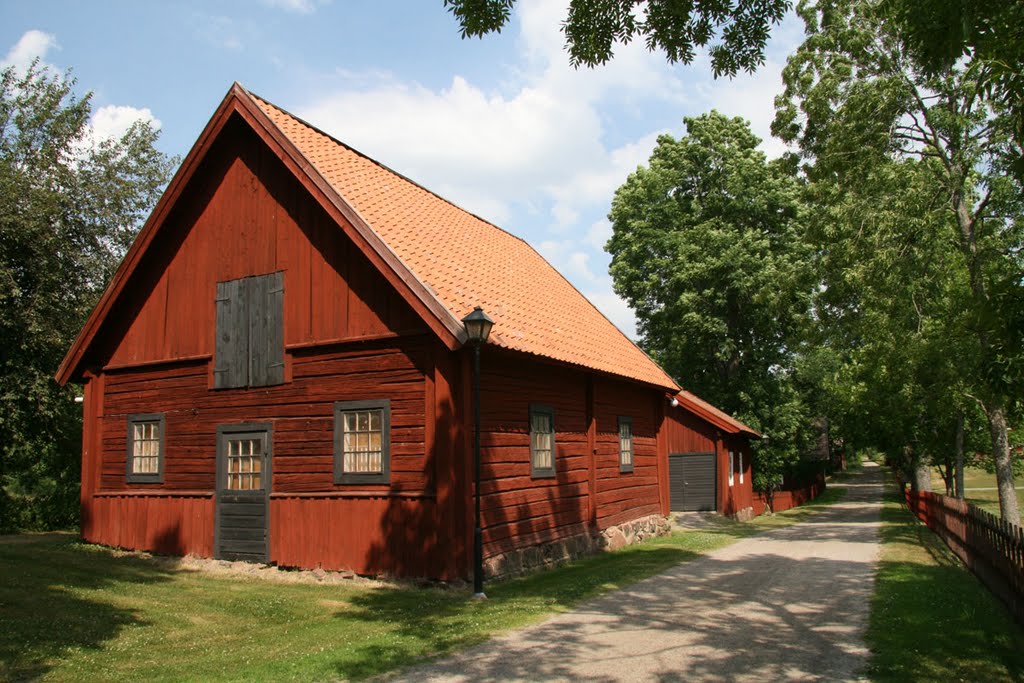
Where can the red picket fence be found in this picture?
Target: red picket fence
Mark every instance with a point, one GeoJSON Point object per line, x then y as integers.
{"type": "Point", "coordinates": [992, 548]}
{"type": "Point", "coordinates": [790, 498]}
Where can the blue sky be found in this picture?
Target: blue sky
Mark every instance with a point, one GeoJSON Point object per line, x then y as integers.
{"type": "Point", "coordinates": [502, 126]}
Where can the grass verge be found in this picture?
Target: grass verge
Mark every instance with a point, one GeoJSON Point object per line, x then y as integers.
{"type": "Point", "coordinates": [980, 489]}
{"type": "Point", "coordinates": [73, 611]}
{"type": "Point", "coordinates": [931, 620]}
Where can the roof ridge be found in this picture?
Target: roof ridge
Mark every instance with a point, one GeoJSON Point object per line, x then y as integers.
{"type": "Point", "coordinates": [384, 166]}
{"type": "Point", "coordinates": [527, 244]}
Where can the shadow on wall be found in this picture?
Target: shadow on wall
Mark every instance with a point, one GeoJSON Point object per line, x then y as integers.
{"type": "Point", "coordinates": [47, 575]}
{"type": "Point", "coordinates": [532, 517]}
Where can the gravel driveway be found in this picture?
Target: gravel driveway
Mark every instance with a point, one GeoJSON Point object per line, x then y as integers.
{"type": "Point", "coordinates": [788, 604]}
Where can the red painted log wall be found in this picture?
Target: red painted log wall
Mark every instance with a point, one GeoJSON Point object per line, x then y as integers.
{"type": "Point", "coordinates": [519, 510]}
{"type": "Point", "coordinates": [348, 336]}
{"type": "Point", "coordinates": [687, 433]}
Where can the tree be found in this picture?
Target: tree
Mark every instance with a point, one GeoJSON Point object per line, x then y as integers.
{"type": "Point", "coordinates": [69, 206]}
{"type": "Point", "coordinates": [855, 101]}
{"type": "Point", "coordinates": [940, 33]}
{"type": "Point", "coordinates": [706, 249]}
{"type": "Point", "coordinates": [594, 27]}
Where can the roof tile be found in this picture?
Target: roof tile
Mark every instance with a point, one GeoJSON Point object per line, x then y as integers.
{"type": "Point", "coordinates": [467, 261]}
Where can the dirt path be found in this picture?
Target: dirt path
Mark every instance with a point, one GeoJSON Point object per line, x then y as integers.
{"type": "Point", "coordinates": [789, 604]}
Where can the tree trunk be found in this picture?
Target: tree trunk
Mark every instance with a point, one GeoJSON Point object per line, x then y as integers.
{"type": "Point", "coordinates": [994, 410]}
{"type": "Point", "coordinates": [922, 474]}
{"type": "Point", "coordinates": [1004, 463]}
{"type": "Point", "coordinates": [958, 446]}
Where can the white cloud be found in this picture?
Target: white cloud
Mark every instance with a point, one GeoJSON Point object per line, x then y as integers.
{"type": "Point", "coordinates": [112, 121]}
{"type": "Point", "coordinates": [538, 146]}
{"type": "Point", "coordinates": [296, 6]}
{"type": "Point", "coordinates": [615, 309]}
{"type": "Point", "coordinates": [33, 44]}
{"type": "Point", "coordinates": [219, 31]}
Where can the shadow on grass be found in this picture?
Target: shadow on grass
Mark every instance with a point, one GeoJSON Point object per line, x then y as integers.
{"type": "Point", "coordinates": [931, 619]}
{"type": "Point", "coordinates": [434, 622]}
{"type": "Point", "coordinates": [811, 642]}
{"type": "Point", "coordinates": [44, 586]}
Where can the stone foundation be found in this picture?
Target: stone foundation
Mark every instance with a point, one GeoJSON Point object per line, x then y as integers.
{"type": "Point", "coordinates": [532, 558]}
{"type": "Point", "coordinates": [744, 515]}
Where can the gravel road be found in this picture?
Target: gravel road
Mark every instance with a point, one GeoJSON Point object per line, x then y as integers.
{"type": "Point", "coordinates": [787, 605]}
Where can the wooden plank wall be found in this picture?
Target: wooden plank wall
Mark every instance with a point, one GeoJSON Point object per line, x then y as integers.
{"type": "Point", "coordinates": [243, 214]}
{"type": "Point", "coordinates": [625, 496]}
{"type": "Point", "coordinates": [172, 524]}
{"type": "Point", "coordinates": [518, 510]}
{"type": "Point", "coordinates": [368, 519]}
{"type": "Point", "coordinates": [687, 433]}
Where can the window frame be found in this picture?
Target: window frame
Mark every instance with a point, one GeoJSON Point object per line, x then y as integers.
{"type": "Point", "coordinates": [132, 476]}
{"type": "Point", "coordinates": [732, 466]}
{"type": "Point", "coordinates": [624, 467]}
{"type": "Point", "coordinates": [340, 475]}
{"type": "Point", "coordinates": [542, 472]}
{"type": "Point", "coordinates": [740, 454]}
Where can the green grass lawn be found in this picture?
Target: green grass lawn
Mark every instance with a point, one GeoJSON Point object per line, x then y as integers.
{"type": "Point", "coordinates": [980, 487]}
{"type": "Point", "coordinates": [931, 620]}
{"type": "Point", "coordinates": [72, 611]}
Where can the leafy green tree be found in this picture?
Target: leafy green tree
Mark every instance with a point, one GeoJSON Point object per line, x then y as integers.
{"type": "Point", "coordinates": [69, 206]}
{"type": "Point", "coordinates": [856, 100]}
{"type": "Point", "coordinates": [940, 33]}
{"type": "Point", "coordinates": [706, 248]}
{"type": "Point", "coordinates": [594, 27]}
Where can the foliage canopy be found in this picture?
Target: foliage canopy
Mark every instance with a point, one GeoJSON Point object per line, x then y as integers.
{"type": "Point", "coordinates": [594, 27]}
{"type": "Point", "coordinates": [69, 207]}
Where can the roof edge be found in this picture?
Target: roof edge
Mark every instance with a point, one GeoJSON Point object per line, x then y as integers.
{"type": "Point", "coordinates": [69, 366]}
{"type": "Point", "coordinates": [715, 416]}
{"type": "Point", "coordinates": [239, 100]}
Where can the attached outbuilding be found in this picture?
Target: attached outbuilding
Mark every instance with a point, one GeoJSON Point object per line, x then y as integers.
{"type": "Point", "coordinates": [708, 459]}
{"type": "Point", "coordinates": [278, 372]}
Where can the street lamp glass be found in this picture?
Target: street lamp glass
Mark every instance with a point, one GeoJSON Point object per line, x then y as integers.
{"type": "Point", "coordinates": [478, 326]}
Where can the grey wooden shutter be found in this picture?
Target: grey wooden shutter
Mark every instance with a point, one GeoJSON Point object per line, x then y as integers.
{"type": "Point", "coordinates": [231, 351]}
{"type": "Point", "coordinates": [266, 329]}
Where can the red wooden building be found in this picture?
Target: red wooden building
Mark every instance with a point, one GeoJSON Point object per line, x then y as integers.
{"type": "Point", "coordinates": [708, 459]}
{"type": "Point", "coordinates": [278, 372]}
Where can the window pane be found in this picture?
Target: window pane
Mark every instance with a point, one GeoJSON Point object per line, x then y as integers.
{"type": "Point", "coordinates": [362, 441]}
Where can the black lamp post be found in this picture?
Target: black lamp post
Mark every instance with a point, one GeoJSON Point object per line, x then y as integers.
{"type": "Point", "coordinates": [478, 328]}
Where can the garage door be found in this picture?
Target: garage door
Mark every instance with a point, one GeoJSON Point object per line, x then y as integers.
{"type": "Point", "coordinates": [692, 481]}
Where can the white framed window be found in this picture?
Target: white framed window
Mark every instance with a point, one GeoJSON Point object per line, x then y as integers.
{"type": "Point", "coordinates": [145, 461]}
{"type": "Point", "coordinates": [732, 463]}
{"type": "Point", "coordinates": [741, 466]}
{"type": "Point", "coordinates": [542, 441]}
{"type": "Point", "coordinates": [625, 444]}
{"type": "Point", "coordinates": [362, 442]}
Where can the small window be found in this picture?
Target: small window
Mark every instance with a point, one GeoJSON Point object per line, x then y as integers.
{"type": "Point", "coordinates": [740, 453]}
{"type": "Point", "coordinates": [245, 464]}
{"type": "Point", "coordinates": [625, 444]}
{"type": "Point", "coordinates": [542, 441]}
{"type": "Point", "coordinates": [362, 442]}
{"type": "Point", "coordinates": [732, 463]}
{"type": "Point", "coordinates": [146, 448]}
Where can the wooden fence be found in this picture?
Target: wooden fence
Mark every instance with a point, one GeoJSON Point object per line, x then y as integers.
{"type": "Point", "coordinates": [790, 497]}
{"type": "Point", "coordinates": [992, 548]}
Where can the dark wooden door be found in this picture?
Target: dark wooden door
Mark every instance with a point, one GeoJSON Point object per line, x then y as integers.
{"type": "Point", "coordinates": [691, 484]}
{"type": "Point", "coordinates": [243, 486]}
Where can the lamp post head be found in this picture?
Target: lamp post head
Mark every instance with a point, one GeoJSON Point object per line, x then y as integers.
{"type": "Point", "coordinates": [478, 326]}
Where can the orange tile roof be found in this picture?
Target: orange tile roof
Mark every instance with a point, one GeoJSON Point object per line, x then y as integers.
{"type": "Point", "coordinates": [466, 261]}
{"type": "Point", "coordinates": [702, 408]}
